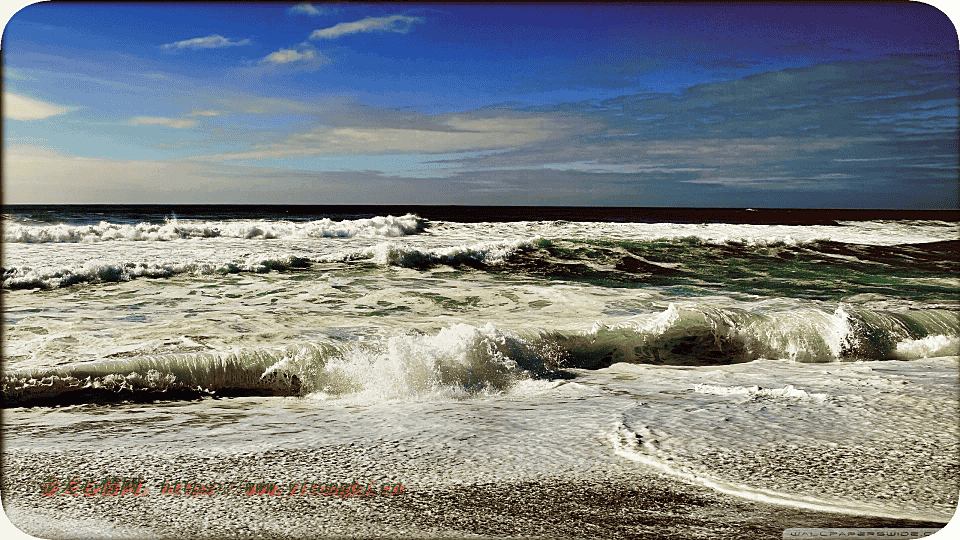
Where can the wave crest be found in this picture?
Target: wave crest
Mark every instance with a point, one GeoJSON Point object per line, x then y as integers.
{"type": "Point", "coordinates": [174, 229]}
{"type": "Point", "coordinates": [463, 360]}
{"type": "Point", "coordinates": [459, 361]}
{"type": "Point", "coordinates": [97, 272]}
{"type": "Point", "coordinates": [707, 336]}
{"type": "Point", "coordinates": [481, 254]}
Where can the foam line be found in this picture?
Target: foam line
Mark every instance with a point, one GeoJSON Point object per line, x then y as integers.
{"type": "Point", "coordinates": [624, 447]}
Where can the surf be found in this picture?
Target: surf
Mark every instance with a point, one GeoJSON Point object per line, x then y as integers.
{"type": "Point", "coordinates": [463, 360]}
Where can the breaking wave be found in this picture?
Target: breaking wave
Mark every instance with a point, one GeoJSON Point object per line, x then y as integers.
{"type": "Point", "coordinates": [703, 335]}
{"type": "Point", "coordinates": [462, 360]}
{"type": "Point", "coordinates": [459, 361]}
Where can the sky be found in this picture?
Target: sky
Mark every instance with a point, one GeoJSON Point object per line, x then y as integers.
{"type": "Point", "coordinates": [789, 105]}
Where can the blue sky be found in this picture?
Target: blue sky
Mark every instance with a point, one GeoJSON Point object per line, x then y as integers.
{"type": "Point", "coordinates": [713, 104]}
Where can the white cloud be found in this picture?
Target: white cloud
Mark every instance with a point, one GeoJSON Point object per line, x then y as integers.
{"type": "Point", "coordinates": [399, 24]}
{"type": "Point", "coordinates": [285, 56]}
{"type": "Point", "coordinates": [308, 9]}
{"type": "Point", "coordinates": [23, 108]}
{"type": "Point", "coordinates": [177, 123]}
{"type": "Point", "coordinates": [210, 42]}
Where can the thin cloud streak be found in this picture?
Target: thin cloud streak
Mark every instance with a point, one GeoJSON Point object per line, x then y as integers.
{"type": "Point", "coordinates": [205, 113]}
{"type": "Point", "coordinates": [209, 42]}
{"type": "Point", "coordinates": [398, 24]}
{"type": "Point", "coordinates": [176, 123]}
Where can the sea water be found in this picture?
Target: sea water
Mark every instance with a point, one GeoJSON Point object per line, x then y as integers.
{"type": "Point", "coordinates": [497, 350]}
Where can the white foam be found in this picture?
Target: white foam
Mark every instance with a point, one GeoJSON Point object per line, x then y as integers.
{"type": "Point", "coordinates": [459, 361]}
{"type": "Point", "coordinates": [929, 347]}
{"type": "Point", "coordinates": [787, 391]}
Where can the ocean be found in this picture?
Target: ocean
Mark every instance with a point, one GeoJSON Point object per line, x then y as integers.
{"type": "Point", "coordinates": [807, 358]}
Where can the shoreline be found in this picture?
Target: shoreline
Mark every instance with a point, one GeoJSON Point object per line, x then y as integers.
{"type": "Point", "coordinates": [847, 478]}
{"type": "Point", "coordinates": [597, 503]}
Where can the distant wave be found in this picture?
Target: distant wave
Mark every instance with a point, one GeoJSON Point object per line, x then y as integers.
{"type": "Point", "coordinates": [483, 254]}
{"type": "Point", "coordinates": [386, 253]}
{"type": "Point", "coordinates": [480, 254]}
{"type": "Point", "coordinates": [463, 360]}
{"type": "Point", "coordinates": [625, 253]}
{"type": "Point", "coordinates": [174, 229]}
{"type": "Point", "coordinates": [97, 272]}
{"type": "Point", "coordinates": [673, 261]}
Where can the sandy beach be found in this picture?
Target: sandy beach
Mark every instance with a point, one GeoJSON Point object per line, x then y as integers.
{"type": "Point", "coordinates": [598, 503]}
